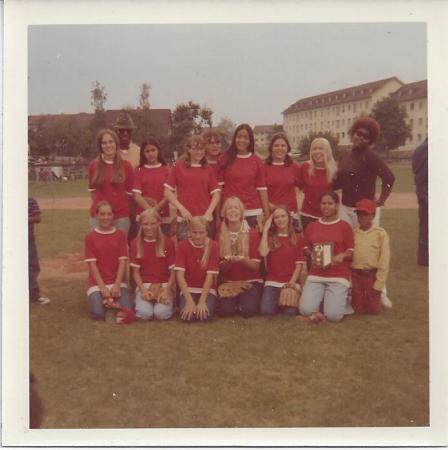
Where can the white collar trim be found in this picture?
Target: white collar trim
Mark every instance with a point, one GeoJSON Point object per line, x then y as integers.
{"type": "Point", "coordinates": [329, 223]}
{"type": "Point", "coordinates": [153, 167]}
{"type": "Point", "coordinates": [106, 160]}
{"type": "Point", "coordinates": [278, 163]}
{"type": "Point", "coordinates": [106, 232]}
{"type": "Point", "coordinates": [194, 245]}
{"type": "Point", "coordinates": [238, 155]}
{"type": "Point", "coordinates": [196, 165]}
{"type": "Point", "coordinates": [149, 240]}
{"type": "Point", "coordinates": [282, 234]}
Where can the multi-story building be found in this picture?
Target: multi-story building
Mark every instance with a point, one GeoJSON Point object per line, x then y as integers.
{"type": "Point", "coordinates": [413, 97]}
{"type": "Point", "coordinates": [262, 136]}
{"type": "Point", "coordinates": [335, 111]}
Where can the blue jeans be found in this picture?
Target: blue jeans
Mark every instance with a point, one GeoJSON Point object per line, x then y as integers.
{"type": "Point", "coordinates": [33, 271]}
{"type": "Point", "coordinates": [145, 310]}
{"type": "Point", "coordinates": [247, 304]}
{"type": "Point", "coordinates": [269, 303]}
{"type": "Point", "coordinates": [97, 309]}
{"type": "Point", "coordinates": [210, 302]}
{"type": "Point", "coordinates": [333, 294]}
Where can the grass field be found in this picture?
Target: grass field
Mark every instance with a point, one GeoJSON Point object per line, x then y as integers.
{"type": "Point", "coordinates": [78, 188]}
{"type": "Point", "coordinates": [261, 372]}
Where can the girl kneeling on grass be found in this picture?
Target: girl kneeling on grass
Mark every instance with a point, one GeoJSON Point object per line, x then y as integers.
{"type": "Point", "coordinates": [240, 261]}
{"type": "Point", "coordinates": [106, 253]}
{"type": "Point", "coordinates": [284, 251]}
{"type": "Point", "coordinates": [196, 270]}
{"type": "Point", "coordinates": [370, 264]}
{"type": "Point", "coordinates": [329, 242]}
{"type": "Point", "coordinates": [152, 262]}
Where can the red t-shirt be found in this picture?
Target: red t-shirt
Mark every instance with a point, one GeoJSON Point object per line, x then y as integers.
{"type": "Point", "coordinates": [312, 187]}
{"type": "Point", "coordinates": [237, 271]}
{"type": "Point", "coordinates": [188, 260]}
{"type": "Point", "coordinates": [281, 262]}
{"type": "Point", "coordinates": [243, 179]}
{"type": "Point", "coordinates": [153, 268]}
{"type": "Point", "coordinates": [116, 194]}
{"type": "Point", "coordinates": [194, 186]}
{"type": "Point", "coordinates": [149, 181]}
{"type": "Point", "coordinates": [106, 248]}
{"type": "Point", "coordinates": [339, 233]}
{"type": "Point", "coordinates": [281, 181]}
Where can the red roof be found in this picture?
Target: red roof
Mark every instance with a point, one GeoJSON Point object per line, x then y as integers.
{"type": "Point", "coordinates": [412, 91]}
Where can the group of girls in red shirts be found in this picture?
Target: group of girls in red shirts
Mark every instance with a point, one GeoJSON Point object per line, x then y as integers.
{"type": "Point", "coordinates": [223, 260]}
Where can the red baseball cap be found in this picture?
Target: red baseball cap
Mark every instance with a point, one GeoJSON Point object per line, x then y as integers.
{"type": "Point", "coordinates": [366, 205]}
{"type": "Point", "coordinates": [125, 316]}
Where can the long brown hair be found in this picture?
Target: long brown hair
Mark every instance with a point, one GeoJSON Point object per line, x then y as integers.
{"type": "Point", "coordinates": [269, 159]}
{"type": "Point", "coordinates": [240, 246]}
{"type": "Point", "coordinates": [160, 238]}
{"type": "Point", "coordinates": [199, 221]}
{"type": "Point", "coordinates": [118, 175]}
{"type": "Point", "coordinates": [273, 241]}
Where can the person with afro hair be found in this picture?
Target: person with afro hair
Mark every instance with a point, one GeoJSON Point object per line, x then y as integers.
{"type": "Point", "coordinates": [359, 169]}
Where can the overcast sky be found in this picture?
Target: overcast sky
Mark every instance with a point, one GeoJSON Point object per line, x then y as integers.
{"type": "Point", "coordinates": [249, 73]}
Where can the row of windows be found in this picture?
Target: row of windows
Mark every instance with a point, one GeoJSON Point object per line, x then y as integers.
{"type": "Point", "coordinates": [339, 123]}
{"type": "Point", "coordinates": [412, 105]}
{"type": "Point", "coordinates": [419, 122]}
{"type": "Point", "coordinates": [334, 97]}
{"type": "Point", "coordinates": [354, 107]}
{"type": "Point", "coordinates": [419, 138]}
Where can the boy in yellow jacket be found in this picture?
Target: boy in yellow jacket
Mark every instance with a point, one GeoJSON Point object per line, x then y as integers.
{"type": "Point", "coordinates": [370, 264]}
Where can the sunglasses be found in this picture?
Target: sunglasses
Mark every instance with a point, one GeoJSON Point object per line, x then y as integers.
{"type": "Point", "coordinates": [363, 134]}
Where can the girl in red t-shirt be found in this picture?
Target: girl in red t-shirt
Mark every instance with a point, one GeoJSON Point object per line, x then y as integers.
{"type": "Point", "coordinates": [282, 176]}
{"type": "Point", "coordinates": [329, 242]}
{"type": "Point", "coordinates": [283, 250]}
{"type": "Point", "coordinates": [106, 254]}
{"type": "Point", "coordinates": [196, 271]}
{"type": "Point", "coordinates": [110, 179]}
{"type": "Point", "coordinates": [152, 262]}
{"type": "Point", "coordinates": [315, 177]}
{"type": "Point", "coordinates": [149, 178]}
{"type": "Point", "coordinates": [239, 262]}
{"type": "Point", "coordinates": [241, 174]}
{"type": "Point", "coordinates": [192, 187]}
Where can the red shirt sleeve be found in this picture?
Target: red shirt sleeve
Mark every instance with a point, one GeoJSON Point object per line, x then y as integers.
{"type": "Point", "coordinates": [260, 180]}
{"type": "Point", "coordinates": [181, 256]}
{"type": "Point", "coordinates": [91, 171]}
{"type": "Point", "coordinates": [297, 177]}
{"type": "Point", "coordinates": [138, 180]}
{"type": "Point", "coordinates": [348, 236]}
{"type": "Point", "coordinates": [213, 260]}
{"type": "Point", "coordinates": [89, 254]}
{"type": "Point", "coordinates": [171, 179]}
{"type": "Point", "coordinates": [170, 252]}
{"type": "Point", "coordinates": [300, 176]}
{"type": "Point", "coordinates": [299, 255]}
{"type": "Point", "coordinates": [133, 253]}
{"type": "Point", "coordinates": [212, 181]}
{"type": "Point", "coordinates": [129, 174]}
{"type": "Point", "coordinates": [123, 245]}
{"type": "Point", "coordinates": [254, 242]}
{"type": "Point", "coordinates": [306, 237]}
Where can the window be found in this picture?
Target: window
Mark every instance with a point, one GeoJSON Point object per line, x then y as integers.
{"type": "Point", "coordinates": [343, 108]}
{"type": "Point", "coordinates": [337, 135]}
{"type": "Point", "coordinates": [354, 107]}
{"type": "Point", "coordinates": [343, 121]}
{"type": "Point", "coordinates": [419, 137]}
{"type": "Point", "coordinates": [411, 106]}
{"type": "Point", "coordinates": [348, 107]}
{"type": "Point", "coordinates": [420, 121]}
{"type": "Point", "coordinates": [411, 122]}
{"type": "Point", "coordinates": [337, 123]}
{"type": "Point", "coordinates": [420, 105]}
{"type": "Point", "coordinates": [411, 138]}
{"type": "Point", "coordinates": [343, 135]}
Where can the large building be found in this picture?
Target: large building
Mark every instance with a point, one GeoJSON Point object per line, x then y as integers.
{"type": "Point", "coordinates": [335, 111]}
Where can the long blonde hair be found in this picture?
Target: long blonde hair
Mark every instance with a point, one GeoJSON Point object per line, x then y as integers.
{"type": "Point", "coordinates": [239, 246]}
{"type": "Point", "coordinates": [199, 221]}
{"type": "Point", "coordinates": [330, 163]}
{"type": "Point", "coordinates": [118, 174]}
{"type": "Point", "coordinates": [273, 241]}
{"type": "Point", "coordinates": [160, 238]}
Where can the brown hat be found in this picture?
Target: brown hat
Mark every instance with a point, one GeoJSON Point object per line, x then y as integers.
{"type": "Point", "coordinates": [124, 122]}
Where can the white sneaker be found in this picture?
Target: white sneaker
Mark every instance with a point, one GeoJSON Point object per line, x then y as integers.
{"type": "Point", "coordinates": [385, 300]}
{"type": "Point", "coordinates": [42, 301]}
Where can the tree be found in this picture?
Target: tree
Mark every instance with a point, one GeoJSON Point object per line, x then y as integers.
{"type": "Point", "coordinates": [98, 97]}
{"type": "Point", "coordinates": [143, 99]}
{"type": "Point", "coordinates": [188, 118]}
{"type": "Point", "coordinates": [305, 142]}
{"type": "Point", "coordinates": [392, 119]}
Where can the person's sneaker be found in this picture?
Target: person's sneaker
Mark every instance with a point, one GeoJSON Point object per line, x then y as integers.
{"type": "Point", "coordinates": [42, 301]}
{"type": "Point", "coordinates": [385, 300]}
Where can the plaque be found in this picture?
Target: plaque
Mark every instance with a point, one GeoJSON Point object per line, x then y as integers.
{"type": "Point", "coordinates": [322, 254]}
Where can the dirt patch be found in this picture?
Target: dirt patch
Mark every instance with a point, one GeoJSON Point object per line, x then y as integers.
{"type": "Point", "coordinates": [68, 265]}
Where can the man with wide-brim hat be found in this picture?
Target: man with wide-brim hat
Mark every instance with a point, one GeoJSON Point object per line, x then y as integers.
{"type": "Point", "coordinates": [124, 126]}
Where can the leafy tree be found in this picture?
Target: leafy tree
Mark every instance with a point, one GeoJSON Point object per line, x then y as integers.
{"type": "Point", "coordinates": [143, 99]}
{"type": "Point", "coordinates": [305, 142]}
{"type": "Point", "coordinates": [392, 118]}
{"type": "Point", "coordinates": [227, 124]}
{"type": "Point", "coordinates": [98, 97]}
{"type": "Point", "coordinates": [188, 118]}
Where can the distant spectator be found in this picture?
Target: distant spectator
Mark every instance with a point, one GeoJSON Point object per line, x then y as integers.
{"type": "Point", "coordinates": [420, 169]}
{"type": "Point", "coordinates": [33, 258]}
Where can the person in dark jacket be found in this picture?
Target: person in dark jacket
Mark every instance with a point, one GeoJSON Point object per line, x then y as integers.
{"type": "Point", "coordinates": [420, 169]}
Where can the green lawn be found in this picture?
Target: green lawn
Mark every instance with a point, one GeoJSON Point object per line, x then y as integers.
{"type": "Point", "coordinates": [404, 178]}
{"type": "Point", "coordinates": [261, 372]}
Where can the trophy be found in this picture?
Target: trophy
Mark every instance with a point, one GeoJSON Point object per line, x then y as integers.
{"type": "Point", "coordinates": [322, 254]}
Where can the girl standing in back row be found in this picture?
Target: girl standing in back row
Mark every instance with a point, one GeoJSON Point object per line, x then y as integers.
{"type": "Point", "coordinates": [241, 174]}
